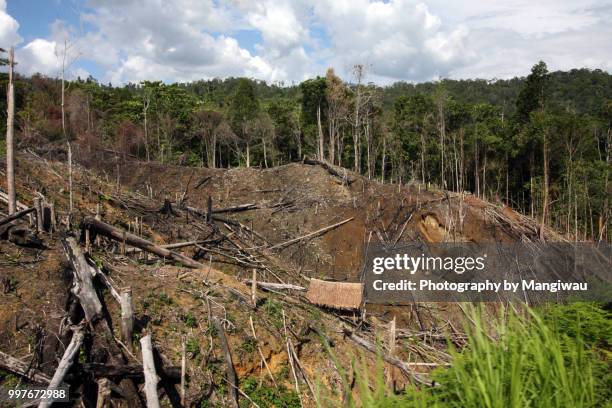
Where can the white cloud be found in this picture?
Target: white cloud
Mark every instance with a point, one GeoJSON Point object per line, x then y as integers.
{"type": "Point", "coordinates": [397, 39]}
{"type": "Point", "coordinates": [183, 40]}
{"type": "Point", "coordinates": [8, 28]}
{"type": "Point", "coordinates": [38, 56]}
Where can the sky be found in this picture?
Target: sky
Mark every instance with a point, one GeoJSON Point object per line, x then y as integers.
{"type": "Point", "coordinates": [287, 41]}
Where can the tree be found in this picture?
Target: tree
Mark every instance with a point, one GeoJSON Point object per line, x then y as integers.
{"type": "Point", "coordinates": [206, 124]}
{"type": "Point", "coordinates": [243, 111]}
{"type": "Point", "coordinates": [337, 110]}
{"type": "Point", "coordinates": [313, 111]}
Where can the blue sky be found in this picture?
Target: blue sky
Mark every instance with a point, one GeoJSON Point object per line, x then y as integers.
{"type": "Point", "coordinates": [287, 41]}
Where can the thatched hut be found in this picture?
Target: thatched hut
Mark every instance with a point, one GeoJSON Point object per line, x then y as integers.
{"type": "Point", "coordinates": [336, 295]}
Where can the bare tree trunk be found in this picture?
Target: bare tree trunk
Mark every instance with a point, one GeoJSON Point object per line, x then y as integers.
{"type": "Point", "coordinates": [248, 154]}
{"type": "Point", "coordinates": [356, 128]}
{"type": "Point", "coordinates": [212, 163]}
{"type": "Point", "coordinates": [368, 147]}
{"type": "Point", "coordinates": [484, 175]}
{"type": "Point", "coordinates": [69, 148]}
{"type": "Point", "coordinates": [384, 156]}
{"type": "Point", "coordinates": [127, 316]}
{"type": "Point", "coordinates": [507, 181]}
{"type": "Point", "coordinates": [263, 142]}
{"type": "Point", "coordinates": [332, 138]}
{"type": "Point", "coordinates": [146, 103]}
{"type": "Point", "coordinates": [442, 124]}
{"type": "Point", "coordinates": [320, 130]}
{"type": "Point", "coordinates": [476, 173]}
{"type": "Point", "coordinates": [148, 366]}
{"type": "Point", "coordinates": [545, 187]}
{"type": "Point", "coordinates": [603, 223]}
{"type": "Point", "coordinates": [422, 156]}
{"type": "Point", "coordinates": [10, 145]}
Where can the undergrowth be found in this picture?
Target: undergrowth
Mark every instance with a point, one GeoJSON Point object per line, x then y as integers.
{"type": "Point", "coordinates": [555, 356]}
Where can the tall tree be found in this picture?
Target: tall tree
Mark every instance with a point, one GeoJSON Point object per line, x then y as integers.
{"type": "Point", "coordinates": [337, 110]}
{"type": "Point", "coordinates": [243, 110]}
{"type": "Point", "coordinates": [313, 108]}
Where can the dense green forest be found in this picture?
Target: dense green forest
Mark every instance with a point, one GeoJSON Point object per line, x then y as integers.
{"type": "Point", "coordinates": [539, 143]}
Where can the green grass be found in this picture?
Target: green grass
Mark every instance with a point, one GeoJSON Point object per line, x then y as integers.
{"type": "Point", "coordinates": [266, 396]}
{"type": "Point", "coordinates": [558, 356]}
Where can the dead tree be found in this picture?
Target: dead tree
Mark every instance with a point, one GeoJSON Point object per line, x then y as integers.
{"type": "Point", "coordinates": [10, 145]}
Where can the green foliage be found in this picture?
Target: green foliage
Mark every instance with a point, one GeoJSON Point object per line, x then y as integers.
{"type": "Point", "coordinates": [190, 320]}
{"type": "Point", "coordinates": [244, 106]}
{"type": "Point", "coordinates": [249, 345]}
{"type": "Point", "coordinates": [8, 380]}
{"type": "Point", "coordinates": [529, 365]}
{"type": "Point", "coordinates": [274, 310]}
{"type": "Point", "coordinates": [165, 299]}
{"type": "Point", "coordinates": [541, 358]}
{"type": "Point", "coordinates": [464, 135]}
{"type": "Point", "coordinates": [192, 346]}
{"type": "Point", "coordinates": [266, 396]}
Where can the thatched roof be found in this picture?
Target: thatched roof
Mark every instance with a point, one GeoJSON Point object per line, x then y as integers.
{"type": "Point", "coordinates": [337, 295]}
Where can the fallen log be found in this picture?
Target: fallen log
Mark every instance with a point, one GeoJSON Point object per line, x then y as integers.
{"type": "Point", "coordinates": [23, 369]}
{"type": "Point", "coordinates": [65, 363]}
{"type": "Point", "coordinates": [338, 172]}
{"type": "Point", "coordinates": [237, 208]}
{"type": "Point", "coordinates": [312, 234]}
{"type": "Point", "coordinates": [274, 286]}
{"type": "Point", "coordinates": [148, 364]}
{"type": "Point", "coordinates": [175, 245]}
{"type": "Point", "coordinates": [232, 378]}
{"type": "Point", "coordinates": [16, 215]}
{"type": "Point", "coordinates": [404, 367]}
{"type": "Point", "coordinates": [136, 241]}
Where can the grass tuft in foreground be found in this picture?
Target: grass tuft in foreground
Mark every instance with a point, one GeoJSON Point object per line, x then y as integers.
{"type": "Point", "coordinates": [558, 356]}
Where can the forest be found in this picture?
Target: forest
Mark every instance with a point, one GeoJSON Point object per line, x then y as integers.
{"type": "Point", "coordinates": [539, 144]}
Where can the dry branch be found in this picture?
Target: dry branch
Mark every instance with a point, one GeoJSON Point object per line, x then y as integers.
{"type": "Point", "coordinates": [274, 286]}
{"type": "Point", "coordinates": [312, 234]}
{"type": "Point", "coordinates": [138, 242]}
